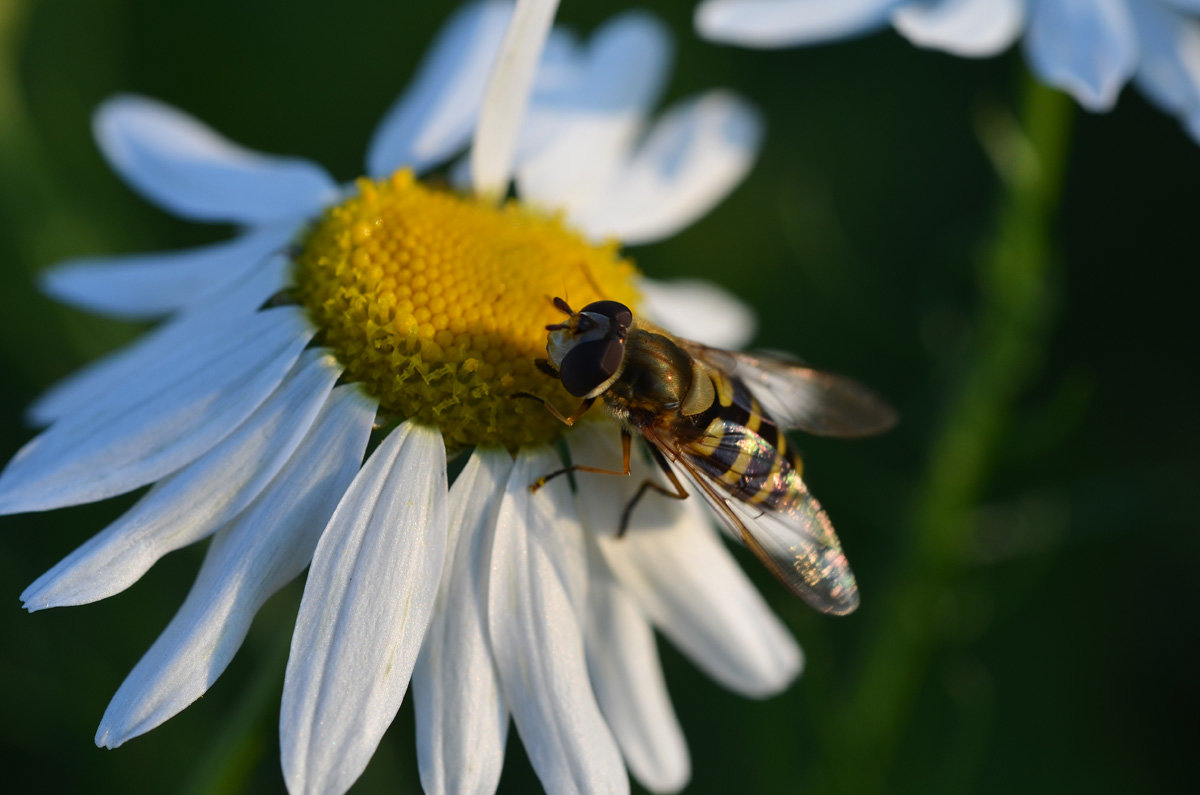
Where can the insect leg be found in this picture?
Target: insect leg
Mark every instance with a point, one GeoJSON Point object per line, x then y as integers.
{"type": "Point", "coordinates": [679, 494]}
{"type": "Point", "coordinates": [626, 440]}
{"type": "Point", "coordinates": [566, 420]}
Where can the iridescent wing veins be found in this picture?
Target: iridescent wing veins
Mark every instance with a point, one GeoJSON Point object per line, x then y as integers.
{"type": "Point", "coordinates": [799, 397]}
{"type": "Point", "coordinates": [762, 501]}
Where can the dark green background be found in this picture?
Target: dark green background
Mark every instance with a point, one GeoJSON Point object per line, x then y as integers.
{"type": "Point", "coordinates": [1060, 647]}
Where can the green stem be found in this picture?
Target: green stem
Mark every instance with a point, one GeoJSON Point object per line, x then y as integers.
{"type": "Point", "coordinates": [1014, 321]}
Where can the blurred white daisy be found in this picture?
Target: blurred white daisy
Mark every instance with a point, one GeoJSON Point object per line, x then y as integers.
{"type": "Point", "coordinates": [1088, 48]}
{"type": "Point", "coordinates": [399, 315]}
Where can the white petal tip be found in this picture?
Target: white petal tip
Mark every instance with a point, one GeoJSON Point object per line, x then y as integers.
{"type": "Point", "coordinates": [23, 490]}
{"type": "Point", "coordinates": [56, 588]}
{"type": "Point", "coordinates": [702, 20]}
{"type": "Point", "coordinates": [123, 722]}
{"type": "Point", "coordinates": [968, 30]}
{"type": "Point", "coordinates": [109, 110]}
{"type": "Point", "coordinates": [787, 669]}
{"type": "Point", "coordinates": [104, 738]}
{"type": "Point", "coordinates": [667, 782]}
{"type": "Point", "coordinates": [48, 281]}
{"type": "Point", "coordinates": [712, 22]}
{"type": "Point", "coordinates": [1092, 98]}
{"type": "Point", "coordinates": [37, 598]}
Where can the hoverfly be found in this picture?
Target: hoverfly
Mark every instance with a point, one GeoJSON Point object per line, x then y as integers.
{"type": "Point", "coordinates": [718, 416]}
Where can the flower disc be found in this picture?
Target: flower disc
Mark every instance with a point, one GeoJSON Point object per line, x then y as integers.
{"type": "Point", "coordinates": [438, 302]}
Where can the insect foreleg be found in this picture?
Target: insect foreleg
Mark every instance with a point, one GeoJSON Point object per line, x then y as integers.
{"type": "Point", "coordinates": [679, 494]}
{"type": "Point", "coordinates": [626, 439]}
{"type": "Point", "coordinates": [550, 407]}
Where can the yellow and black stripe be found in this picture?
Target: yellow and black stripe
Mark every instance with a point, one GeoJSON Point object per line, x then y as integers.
{"type": "Point", "coordinates": [741, 449]}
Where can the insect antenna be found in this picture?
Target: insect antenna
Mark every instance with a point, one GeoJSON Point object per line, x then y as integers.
{"type": "Point", "coordinates": [591, 279]}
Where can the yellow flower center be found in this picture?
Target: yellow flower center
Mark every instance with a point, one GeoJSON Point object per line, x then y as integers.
{"type": "Point", "coordinates": [437, 303]}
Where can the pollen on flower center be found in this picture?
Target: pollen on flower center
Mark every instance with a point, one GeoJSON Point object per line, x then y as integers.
{"type": "Point", "coordinates": [437, 303]}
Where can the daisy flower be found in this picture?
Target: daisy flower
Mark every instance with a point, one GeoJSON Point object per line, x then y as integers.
{"type": "Point", "coordinates": [1088, 48]}
{"type": "Point", "coordinates": [392, 319]}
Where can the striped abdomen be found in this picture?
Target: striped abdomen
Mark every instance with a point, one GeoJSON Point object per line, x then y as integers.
{"type": "Point", "coordinates": [742, 450]}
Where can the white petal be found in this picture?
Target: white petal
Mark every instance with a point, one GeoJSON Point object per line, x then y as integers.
{"type": "Point", "coordinates": [187, 168]}
{"type": "Point", "coordinates": [699, 311]}
{"type": "Point", "coordinates": [366, 606]}
{"type": "Point", "coordinates": [508, 94]}
{"type": "Point", "coordinates": [625, 670]}
{"type": "Point", "coordinates": [148, 359]}
{"type": "Point", "coordinates": [435, 117]}
{"type": "Point", "coordinates": [783, 23]}
{"type": "Point", "coordinates": [537, 589]}
{"type": "Point", "coordinates": [196, 500]}
{"type": "Point", "coordinates": [563, 64]}
{"type": "Point", "coordinates": [142, 286]}
{"type": "Point", "coordinates": [671, 562]}
{"type": "Point", "coordinates": [591, 126]}
{"type": "Point", "coordinates": [143, 435]}
{"type": "Point", "coordinates": [693, 157]}
{"type": "Point", "coordinates": [248, 561]}
{"type": "Point", "coordinates": [971, 28]}
{"type": "Point", "coordinates": [1088, 48]}
{"type": "Point", "coordinates": [1169, 68]}
{"type": "Point", "coordinates": [462, 722]}
{"type": "Point", "coordinates": [560, 72]}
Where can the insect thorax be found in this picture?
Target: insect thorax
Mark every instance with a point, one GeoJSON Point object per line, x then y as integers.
{"type": "Point", "coordinates": [654, 382]}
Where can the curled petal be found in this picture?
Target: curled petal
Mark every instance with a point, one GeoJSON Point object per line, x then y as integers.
{"type": "Point", "coordinates": [185, 167]}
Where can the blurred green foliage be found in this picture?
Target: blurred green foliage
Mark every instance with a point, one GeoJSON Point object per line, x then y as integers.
{"type": "Point", "coordinates": [1053, 606]}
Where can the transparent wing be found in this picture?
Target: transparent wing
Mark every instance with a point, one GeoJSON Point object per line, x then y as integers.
{"type": "Point", "coordinates": [794, 540]}
{"type": "Point", "coordinates": [801, 397]}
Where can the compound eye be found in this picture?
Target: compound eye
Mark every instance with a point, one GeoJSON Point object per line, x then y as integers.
{"type": "Point", "coordinates": [615, 311]}
{"type": "Point", "coordinates": [590, 364]}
